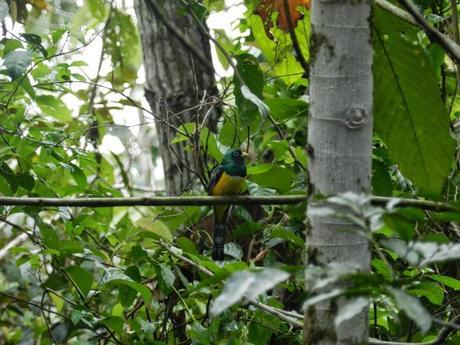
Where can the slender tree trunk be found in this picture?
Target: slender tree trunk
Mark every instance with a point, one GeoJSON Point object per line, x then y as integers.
{"type": "Point", "coordinates": [340, 144]}
{"type": "Point", "coordinates": [176, 79]}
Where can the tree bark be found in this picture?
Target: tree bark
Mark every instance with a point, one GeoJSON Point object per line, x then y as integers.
{"type": "Point", "coordinates": [340, 146]}
{"type": "Point", "coordinates": [176, 79]}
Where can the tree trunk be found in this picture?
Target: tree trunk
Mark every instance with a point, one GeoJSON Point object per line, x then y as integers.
{"type": "Point", "coordinates": [176, 79]}
{"type": "Point", "coordinates": [340, 146]}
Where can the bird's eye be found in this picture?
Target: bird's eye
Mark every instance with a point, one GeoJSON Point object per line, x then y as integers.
{"type": "Point", "coordinates": [236, 154]}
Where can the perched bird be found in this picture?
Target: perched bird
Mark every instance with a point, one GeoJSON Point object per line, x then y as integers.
{"type": "Point", "coordinates": [226, 179]}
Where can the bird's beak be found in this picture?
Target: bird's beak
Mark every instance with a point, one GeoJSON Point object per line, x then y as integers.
{"type": "Point", "coordinates": [244, 154]}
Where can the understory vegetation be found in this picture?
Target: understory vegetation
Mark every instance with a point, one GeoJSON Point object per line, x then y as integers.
{"type": "Point", "coordinates": [144, 275]}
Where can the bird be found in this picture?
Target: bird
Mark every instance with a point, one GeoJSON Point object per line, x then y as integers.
{"type": "Point", "coordinates": [226, 179]}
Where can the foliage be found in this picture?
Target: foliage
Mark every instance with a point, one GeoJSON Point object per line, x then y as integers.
{"type": "Point", "coordinates": [144, 275]}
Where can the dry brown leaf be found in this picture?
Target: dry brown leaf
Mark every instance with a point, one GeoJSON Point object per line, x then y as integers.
{"type": "Point", "coordinates": [287, 16]}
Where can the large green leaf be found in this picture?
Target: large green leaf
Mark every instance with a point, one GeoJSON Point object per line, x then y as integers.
{"type": "Point", "coordinates": [409, 113]}
{"type": "Point", "coordinates": [54, 107]}
{"type": "Point", "coordinates": [249, 70]}
{"type": "Point", "coordinates": [81, 278]}
{"type": "Point", "coordinates": [247, 284]}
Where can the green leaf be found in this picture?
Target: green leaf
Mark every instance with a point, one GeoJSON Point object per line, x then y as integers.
{"type": "Point", "coordinates": [126, 295]}
{"type": "Point", "coordinates": [382, 268]}
{"type": "Point", "coordinates": [277, 177]}
{"type": "Point", "coordinates": [36, 42]}
{"type": "Point", "coordinates": [27, 86]}
{"type": "Point", "coordinates": [409, 113]}
{"type": "Point", "coordinates": [448, 281]}
{"type": "Point", "coordinates": [278, 52]}
{"type": "Point", "coordinates": [250, 72]}
{"type": "Point", "coordinates": [233, 250]}
{"type": "Point", "coordinates": [54, 107]}
{"type": "Point", "coordinates": [287, 235]}
{"type": "Point", "coordinates": [157, 227]}
{"type": "Point", "coordinates": [78, 176]}
{"type": "Point", "coordinates": [413, 309]}
{"type": "Point", "coordinates": [381, 179]}
{"type": "Point", "coordinates": [10, 44]}
{"type": "Point", "coordinates": [114, 323]}
{"type": "Point", "coordinates": [187, 245]}
{"type": "Point", "coordinates": [4, 187]}
{"type": "Point", "coordinates": [246, 284]}
{"type": "Point", "coordinates": [209, 144]}
{"type": "Point", "coordinates": [97, 8]}
{"type": "Point", "coordinates": [432, 291]}
{"type": "Point", "coordinates": [286, 108]}
{"type": "Point", "coordinates": [81, 278]}
{"type": "Point", "coordinates": [259, 169]}
{"type": "Point", "coordinates": [17, 62]}
{"type": "Point", "coordinates": [167, 278]}
{"type": "Point", "coordinates": [122, 43]}
{"type": "Point", "coordinates": [143, 290]}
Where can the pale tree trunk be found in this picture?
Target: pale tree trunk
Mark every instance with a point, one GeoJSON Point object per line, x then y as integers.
{"type": "Point", "coordinates": [176, 77]}
{"type": "Point", "coordinates": [340, 145]}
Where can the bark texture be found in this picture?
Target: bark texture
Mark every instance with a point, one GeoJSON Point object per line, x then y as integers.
{"type": "Point", "coordinates": [340, 144]}
{"type": "Point", "coordinates": [175, 81]}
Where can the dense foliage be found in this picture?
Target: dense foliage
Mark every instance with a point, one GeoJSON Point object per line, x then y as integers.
{"type": "Point", "coordinates": [144, 275]}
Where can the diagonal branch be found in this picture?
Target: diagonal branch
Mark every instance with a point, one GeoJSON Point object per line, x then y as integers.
{"type": "Point", "coordinates": [289, 317]}
{"type": "Point", "coordinates": [295, 41]}
{"type": "Point", "coordinates": [395, 10]}
{"type": "Point", "coordinates": [449, 45]}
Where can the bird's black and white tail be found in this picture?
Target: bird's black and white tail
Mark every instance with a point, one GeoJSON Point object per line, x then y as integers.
{"type": "Point", "coordinates": [220, 230]}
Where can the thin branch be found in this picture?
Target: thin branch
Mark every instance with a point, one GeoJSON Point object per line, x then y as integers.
{"type": "Point", "coordinates": [209, 201]}
{"type": "Point", "coordinates": [33, 304]}
{"type": "Point", "coordinates": [439, 340]}
{"type": "Point", "coordinates": [289, 317]}
{"type": "Point", "coordinates": [449, 45]}
{"type": "Point", "coordinates": [398, 12]}
{"type": "Point", "coordinates": [242, 82]}
{"type": "Point", "coordinates": [295, 42]}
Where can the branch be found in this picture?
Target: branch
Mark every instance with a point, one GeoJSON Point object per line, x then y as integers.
{"type": "Point", "coordinates": [242, 82]}
{"type": "Point", "coordinates": [209, 201]}
{"type": "Point", "coordinates": [439, 340]}
{"type": "Point", "coordinates": [295, 42]}
{"type": "Point", "coordinates": [389, 7]}
{"type": "Point", "coordinates": [449, 45]}
{"type": "Point", "coordinates": [287, 316]}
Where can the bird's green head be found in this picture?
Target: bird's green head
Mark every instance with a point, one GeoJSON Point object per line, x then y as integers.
{"type": "Point", "coordinates": [233, 163]}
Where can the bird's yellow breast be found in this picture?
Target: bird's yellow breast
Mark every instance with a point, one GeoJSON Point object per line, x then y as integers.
{"type": "Point", "coordinates": [228, 185]}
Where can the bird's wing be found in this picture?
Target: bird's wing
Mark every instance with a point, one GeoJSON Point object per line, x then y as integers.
{"type": "Point", "coordinates": [216, 173]}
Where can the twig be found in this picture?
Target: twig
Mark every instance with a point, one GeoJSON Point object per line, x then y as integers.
{"type": "Point", "coordinates": [242, 82]}
{"type": "Point", "coordinates": [449, 45]}
{"type": "Point", "coordinates": [207, 201]}
{"type": "Point", "coordinates": [33, 304]}
{"type": "Point", "coordinates": [295, 42]}
{"type": "Point", "coordinates": [289, 317]}
{"type": "Point", "coordinates": [439, 340]}
{"type": "Point", "coordinates": [400, 13]}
